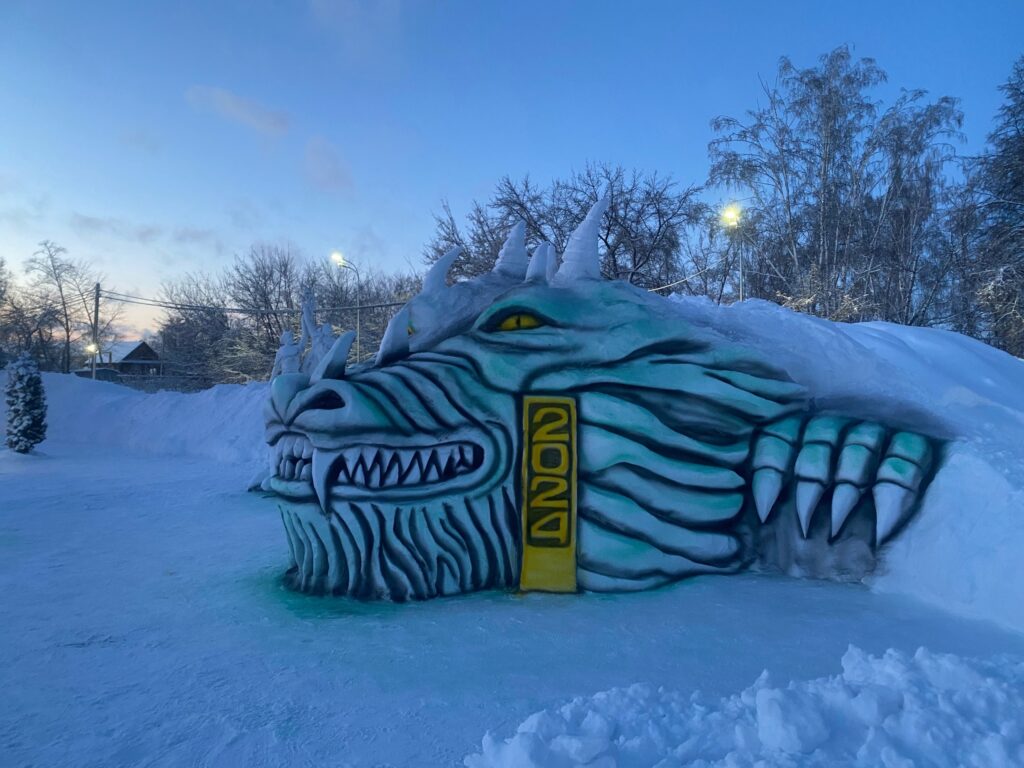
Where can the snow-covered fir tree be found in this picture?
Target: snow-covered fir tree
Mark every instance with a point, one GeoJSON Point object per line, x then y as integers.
{"type": "Point", "coordinates": [26, 405]}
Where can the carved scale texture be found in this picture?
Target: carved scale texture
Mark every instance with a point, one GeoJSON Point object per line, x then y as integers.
{"type": "Point", "coordinates": [401, 554]}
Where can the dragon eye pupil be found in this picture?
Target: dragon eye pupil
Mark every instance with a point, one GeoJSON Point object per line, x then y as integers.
{"type": "Point", "coordinates": [519, 322]}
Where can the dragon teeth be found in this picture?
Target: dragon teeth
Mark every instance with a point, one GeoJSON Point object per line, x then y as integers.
{"type": "Point", "coordinates": [390, 477]}
{"type": "Point", "coordinates": [291, 454]}
{"type": "Point", "coordinates": [371, 467]}
{"type": "Point", "coordinates": [413, 473]}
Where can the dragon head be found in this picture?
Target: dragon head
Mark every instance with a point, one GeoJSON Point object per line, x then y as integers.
{"type": "Point", "coordinates": [403, 479]}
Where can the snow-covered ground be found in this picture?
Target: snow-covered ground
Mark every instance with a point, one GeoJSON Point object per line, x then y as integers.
{"type": "Point", "coordinates": [144, 622]}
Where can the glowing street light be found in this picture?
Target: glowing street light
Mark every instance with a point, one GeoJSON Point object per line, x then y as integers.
{"type": "Point", "coordinates": [339, 260]}
{"type": "Point", "coordinates": [731, 216]}
{"type": "Point", "coordinates": [92, 349]}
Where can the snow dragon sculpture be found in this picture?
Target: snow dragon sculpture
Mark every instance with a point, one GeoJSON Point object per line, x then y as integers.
{"type": "Point", "coordinates": [544, 429]}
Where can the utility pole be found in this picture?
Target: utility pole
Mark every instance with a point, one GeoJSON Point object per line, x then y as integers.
{"type": "Point", "coordinates": [741, 268]}
{"type": "Point", "coordinates": [95, 329]}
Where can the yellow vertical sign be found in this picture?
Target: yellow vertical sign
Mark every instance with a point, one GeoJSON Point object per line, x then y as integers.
{"type": "Point", "coordinates": [549, 494]}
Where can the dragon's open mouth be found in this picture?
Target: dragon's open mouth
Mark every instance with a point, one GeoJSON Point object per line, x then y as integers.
{"type": "Point", "coordinates": [377, 467]}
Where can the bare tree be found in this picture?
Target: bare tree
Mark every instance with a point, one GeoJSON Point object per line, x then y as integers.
{"type": "Point", "coordinates": [67, 286]}
{"type": "Point", "coordinates": [226, 328]}
{"type": "Point", "coordinates": [640, 237]}
{"type": "Point", "coordinates": [194, 333]}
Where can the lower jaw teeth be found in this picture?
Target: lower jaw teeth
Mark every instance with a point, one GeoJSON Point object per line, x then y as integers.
{"type": "Point", "coordinates": [295, 469]}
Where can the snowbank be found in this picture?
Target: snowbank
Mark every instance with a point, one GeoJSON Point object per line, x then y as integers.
{"type": "Point", "coordinates": [223, 423]}
{"type": "Point", "coordinates": [923, 378]}
{"type": "Point", "coordinates": [895, 711]}
{"type": "Point", "coordinates": [962, 550]}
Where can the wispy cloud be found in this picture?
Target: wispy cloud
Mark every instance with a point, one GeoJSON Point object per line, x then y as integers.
{"type": "Point", "coordinates": [237, 109]}
{"type": "Point", "coordinates": [141, 140]}
{"type": "Point", "coordinates": [244, 214]}
{"type": "Point", "coordinates": [197, 236]}
{"type": "Point", "coordinates": [27, 214]}
{"type": "Point", "coordinates": [325, 168]}
{"type": "Point", "coordinates": [367, 31]}
{"type": "Point", "coordinates": [85, 225]}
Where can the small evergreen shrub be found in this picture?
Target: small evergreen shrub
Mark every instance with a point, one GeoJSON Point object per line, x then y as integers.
{"type": "Point", "coordinates": [26, 405]}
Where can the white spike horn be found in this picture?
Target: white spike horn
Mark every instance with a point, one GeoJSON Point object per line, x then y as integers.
{"type": "Point", "coordinates": [512, 260]}
{"type": "Point", "coordinates": [552, 262]}
{"type": "Point", "coordinates": [539, 264]}
{"type": "Point", "coordinates": [581, 260]}
{"type": "Point", "coordinates": [395, 344]}
{"type": "Point", "coordinates": [436, 278]}
{"type": "Point", "coordinates": [332, 365]}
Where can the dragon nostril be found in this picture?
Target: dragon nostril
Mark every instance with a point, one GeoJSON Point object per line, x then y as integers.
{"type": "Point", "coordinates": [328, 400]}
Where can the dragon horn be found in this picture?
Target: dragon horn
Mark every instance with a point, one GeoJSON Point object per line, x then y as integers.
{"type": "Point", "coordinates": [395, 344]}
{"type": "Point", "coordinates": [581, 260]}
{"type": "Point", "coordinates": [437, 276]}
{"type": "Point", "coordinates": [512, 261]}
{"type": "Point", "coordinates": [538, 271]}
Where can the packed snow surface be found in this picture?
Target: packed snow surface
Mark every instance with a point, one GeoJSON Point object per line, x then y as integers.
{"type": "Point", "coordinates": [145, 622]}
{"type": "Point", "coordinates": [895, 710]}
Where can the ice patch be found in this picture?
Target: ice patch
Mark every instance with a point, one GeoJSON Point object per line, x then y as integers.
{"type": "Point", "coordinates": [894, 710]}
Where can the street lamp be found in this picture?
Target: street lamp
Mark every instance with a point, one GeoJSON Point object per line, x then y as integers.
{"type": "Point", "coordinates": [339, 260]}
{"type": "Point", "coordinates": [730, 218]}
{"type": "Point", "coordinates": [92, 349]}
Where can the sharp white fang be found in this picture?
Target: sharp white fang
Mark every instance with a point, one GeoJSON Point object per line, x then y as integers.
{"type": "Point", "coordinates": [767, 486]}
{"type": "Point", "coordinates": [892, 507]}
{"type": "Point", "coordinates": [808, 494]}
{"type": "Point", "coordinates": [351, 458]}
{"type": "Point", "coordinates": [391, 476]}
{"type": "Point", "coordinates": [414, 473]}
{"type": "Point", "coordinates": [844, 499]}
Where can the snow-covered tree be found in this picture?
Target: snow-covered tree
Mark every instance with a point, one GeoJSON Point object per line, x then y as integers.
{"type": "Point", "coordinates": [26, 405]}
{"type": "Point", "coordinates": [845, 199]}
{"type": "Point", "coordinates": [1001, 293]}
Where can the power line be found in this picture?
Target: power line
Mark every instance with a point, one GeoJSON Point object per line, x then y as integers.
{"type": "Point", "coordinates": [677, 282]}
{"type": "Point", "coordinates": [125, 298]}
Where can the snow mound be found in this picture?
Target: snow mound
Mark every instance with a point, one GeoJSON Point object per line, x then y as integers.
{"type": "Point", "coordinates": [895, 711]}
{"type": "Point", "coordinates": [961, 551]}
{"type": "Point", "coordinates": [938, 381]}
{"type": "Point", "coordinates": [223, 423]}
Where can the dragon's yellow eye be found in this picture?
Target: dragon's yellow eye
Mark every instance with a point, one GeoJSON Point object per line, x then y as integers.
{"type": "Point", "coordinates": [520, 322]}
{"type": "Point", "coordinates": [410, 330]}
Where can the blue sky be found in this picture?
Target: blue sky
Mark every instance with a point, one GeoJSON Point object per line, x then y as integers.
{"type": "Point", "coordinates": [159, 138]}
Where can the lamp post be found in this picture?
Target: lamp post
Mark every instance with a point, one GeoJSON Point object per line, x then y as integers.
{"type": "Point", "coordinates": [342, 263]}
{"type": "Point", "coordinates": [730, 219]}
{"type": "Point", "coordinates": [93, 350]}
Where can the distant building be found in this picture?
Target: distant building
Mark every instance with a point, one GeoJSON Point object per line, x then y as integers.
{"type": "Point", "coordinates": [124, 360]}
{"type": "Point", "coordinates": [131, 358]}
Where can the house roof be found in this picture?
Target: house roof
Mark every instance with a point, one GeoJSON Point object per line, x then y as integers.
{"type": "Point", "coordinates": [119, 350]}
